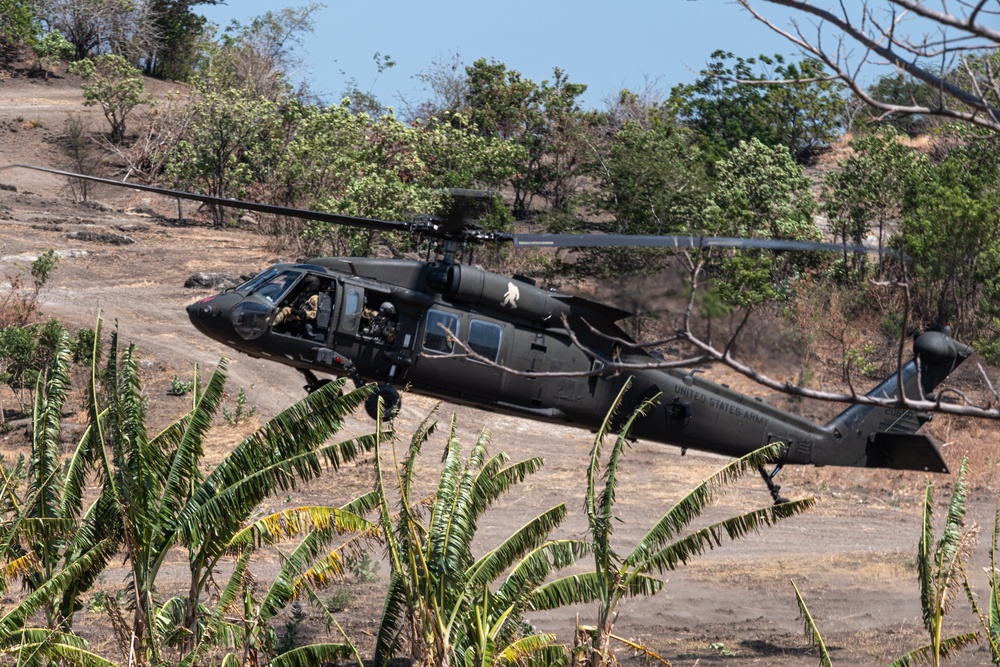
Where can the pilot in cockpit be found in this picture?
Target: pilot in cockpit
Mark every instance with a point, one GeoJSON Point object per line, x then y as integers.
{"type": "Point", "coordinates": [299, 317]}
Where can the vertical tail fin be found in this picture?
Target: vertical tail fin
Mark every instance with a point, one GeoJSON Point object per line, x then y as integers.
{"type": "Point", "coordinates": [888, 433]}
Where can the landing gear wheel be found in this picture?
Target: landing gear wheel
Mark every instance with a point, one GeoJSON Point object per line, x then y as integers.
{"type": "Point", "coordinates": [391, 401]}
{"type": "Point", "coordinates": [313, 383]}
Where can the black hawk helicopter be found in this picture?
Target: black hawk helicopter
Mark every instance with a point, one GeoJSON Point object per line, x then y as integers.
{"type": "Point", "coordinates": [407, 323]}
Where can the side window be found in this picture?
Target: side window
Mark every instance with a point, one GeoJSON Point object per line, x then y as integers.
{"type": "Point", "coordinates": [436, 339]}
{"type": "Point", "coordinates": [484, 339]}
{"type": "Point", "coordinates": [352, 309]}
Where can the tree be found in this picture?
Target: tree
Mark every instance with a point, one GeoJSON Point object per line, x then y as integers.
{"type": "Point", "coordinates": [949, 238]}
{"type": "Point", "coordinates": [953, 54]}
{"type": "Point", "coordinates": [51, 48]}
{"type": "Point", "coordinates": [442, 593]}
{"type": "Point", "coordinates": [542, 119]}
{"type": "Point", "coordinates": [258, 56]}
{"type": "Point", "coordinates": [115, 85]}
{"type": "Point", "coordinates": [731, 103]}
{"type": "Point", "coordinates": [651, 179]}
{"type": "Point", "coordinates": [902, 90]}
{"type": "Point", "coordinates": [231, 133]}
{"type": "Point", "coordinates": [617, 576]}
{"type": "Point", "coordinates": [18, 21]}
{"type": "Point", "coordinates": [96, 27]}
{"type": "Point", "coordinates": [871, 187]}
{"type": "Point", "coordinates": [177, 29]}
{"type": "Point", "coordinates": [759, 193]}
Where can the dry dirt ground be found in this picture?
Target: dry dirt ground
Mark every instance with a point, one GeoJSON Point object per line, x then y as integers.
{"type": "Point", "coordinates": [853, 557]}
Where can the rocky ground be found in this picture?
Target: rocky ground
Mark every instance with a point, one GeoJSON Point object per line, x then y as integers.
{"type": "Point", "coordinates": [853, 557]}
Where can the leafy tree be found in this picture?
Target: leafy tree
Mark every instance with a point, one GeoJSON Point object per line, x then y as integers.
{"type": "Point", "coordinates": [617, 576]}
{"type": "Point", "coordinates": [438, 587]}
{"type": "Point", "coordinates": [949, 238]}
{"type": "Point", "coordinates": [51, 48]}
{"type": "Point", "coordinates": [178, 30]}
{"type": "Point", "coordinates": [230, 135]}
{"type": "Point", "coordinates": [543, 119]}
{"type": "Point", "coordinates": [902, 90]}
{"type": "Point", "coordinates": [344, 162]}
{"type": "Point", "coordinates": [651, 179]}
{"type": "Point", "coordinates": [18, 21]}
{"type": "Point", "coordinates": [111, 82]}
{"type": "Point", "coordinates": [729, 105]}
{"type": "Point", "coordinates": [759, 193]}
{"type": "Point", "coordinates": [870, 190]}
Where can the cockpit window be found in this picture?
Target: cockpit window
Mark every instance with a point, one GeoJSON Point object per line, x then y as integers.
{"type": "Point", "coordinates": [274, 288]}
{"type": "Point", "coordinates": [257, 281]}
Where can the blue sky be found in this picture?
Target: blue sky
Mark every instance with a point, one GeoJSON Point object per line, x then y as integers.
{"type": "Point", "coordinates": [606, 45]}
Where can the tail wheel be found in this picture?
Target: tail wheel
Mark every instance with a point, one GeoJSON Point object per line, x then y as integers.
{"type": "Point", "coordinates": [391, 401]}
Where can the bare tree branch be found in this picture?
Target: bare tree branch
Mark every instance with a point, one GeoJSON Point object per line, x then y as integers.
{"type": "Point", "coordinates": [967, 102]}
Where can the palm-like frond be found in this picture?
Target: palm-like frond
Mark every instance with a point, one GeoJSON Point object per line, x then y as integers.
{"type": "Point", "coordinates": [589, 587]}
{"type": "Point", "coordinates": [13, 620]}
{"type": "Point", "coordinates": [925, 560]}
{"type": "Point", "coordinates": [289, 449]}
{"type": "Point", "coordinates": [541, 646]}
{"type": "Point", "coordinates": [289, 523]}
{"type": "Point", "coordinates": [37, 646]}
{"type": "Point", "coordinates": [924, 654]}
{"type": "Point", "coordinates": [568, 590]}
{"type": "Point", "coordinates": [812, 632]}
{"type": "Point", "coordinates": [313, 654]}
{"type": "Point", "coordinates": [390, 627]}
{"type": "Point", "coordinates": [187, 456]}
{"type": "Point", "coordinates": [694, 544]}
{"type": "Point", "coordinates": [690, 507]}
{"type": "Point", "coordinates": [536, 566]}
{"type": "Point", "coordinates": [994, 611]}
{"type": "Point", "coordinates": [44, 478]}
{"type": "Point", "coordinates": [526, 538]}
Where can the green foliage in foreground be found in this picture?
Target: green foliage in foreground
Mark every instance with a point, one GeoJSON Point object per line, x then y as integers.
{"type": "Point", "coordinates": [941, 574]}
{"type": "Point", "coordinates": [152, 499]}
{"type": "Point", "coordinates": [665, 547]}
{"type": "Point", "coordinates": [461, 609]}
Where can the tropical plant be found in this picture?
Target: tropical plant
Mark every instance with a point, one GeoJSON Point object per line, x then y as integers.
{"type": "Point", "coordinates": [618, 576]}
{"type": "Point", "coordinates": [940, 571]}
{"type": "Point", "coordinates": [459, 609]}
{"type": "Point", "coordinates": [153, 497]}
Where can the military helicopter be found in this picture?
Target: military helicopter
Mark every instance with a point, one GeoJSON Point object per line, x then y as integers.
{"type": "Point", "coordinates": [411, 323]}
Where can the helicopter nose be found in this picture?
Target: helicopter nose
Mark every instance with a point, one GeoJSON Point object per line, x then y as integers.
{"type": "Point", "coordinates": [211, 315]}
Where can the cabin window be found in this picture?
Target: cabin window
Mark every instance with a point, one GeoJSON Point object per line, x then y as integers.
{"type": "Point", "coordinates": [352, 309]}
{"type": "Point", "coordinates": [484, 339]}
{"type": "Point", "coordinates": [436, 338]}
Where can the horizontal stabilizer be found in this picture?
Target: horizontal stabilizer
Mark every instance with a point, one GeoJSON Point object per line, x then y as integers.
{"type": "Point", "coordinates": [904, 451]}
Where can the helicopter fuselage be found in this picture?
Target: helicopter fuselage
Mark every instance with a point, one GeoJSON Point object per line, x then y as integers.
{"type": "Point", "coordinates": [473, 337]}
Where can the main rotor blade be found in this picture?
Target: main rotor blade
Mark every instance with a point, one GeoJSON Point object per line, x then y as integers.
{"type": "Point", "coordinates": [336, 218]}
{"type": "Point", "coordinates": [648, 241]}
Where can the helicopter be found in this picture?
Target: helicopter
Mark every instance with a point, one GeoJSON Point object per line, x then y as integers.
{"type": "Point", "coordinates": [413, 323]}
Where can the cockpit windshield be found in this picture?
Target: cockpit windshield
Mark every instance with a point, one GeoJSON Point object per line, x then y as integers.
{"type": "Point", "coordinates": [270, 285]}
{"type": "Point", "coordinates": [257, 280]}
